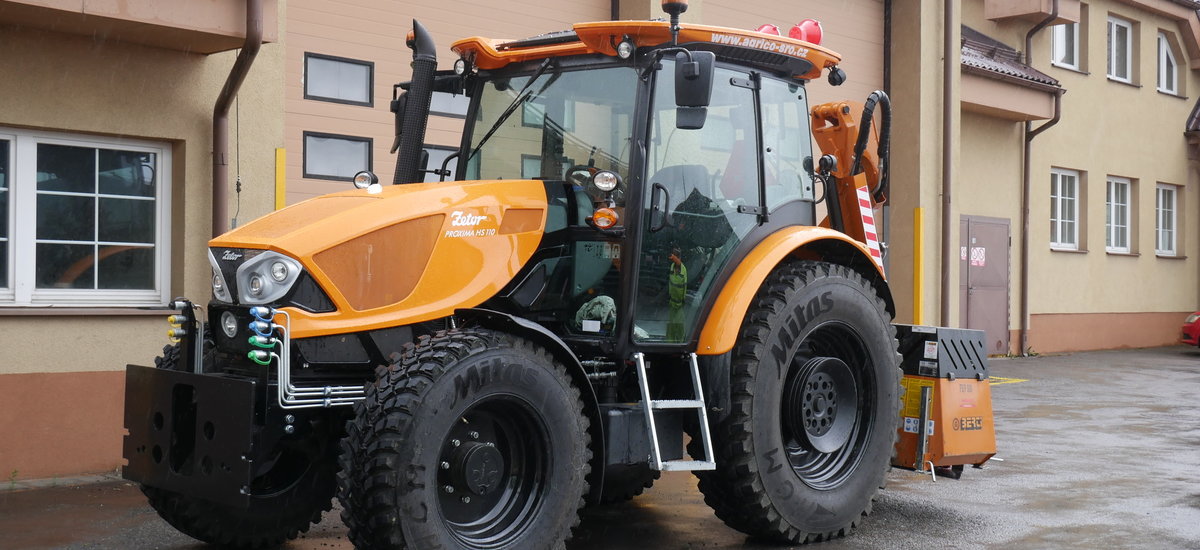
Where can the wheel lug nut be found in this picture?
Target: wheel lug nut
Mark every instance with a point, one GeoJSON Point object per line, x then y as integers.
{"type": "Point", "coordinates": [445, 465]}
{"type": "Point", "coordinates": [448, 489]}
{"type": "Point", "coordinates": [456, 442]}
{"type": "Point", "coordinates": [466, 500]}
{"type": "Point", "coordinates": [474, 435]}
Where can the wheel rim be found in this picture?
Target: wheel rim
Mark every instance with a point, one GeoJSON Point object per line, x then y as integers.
{"type": "Point", "coordinates": [492, 472]}
{"type": "Point", "coordinates": [827, 406]}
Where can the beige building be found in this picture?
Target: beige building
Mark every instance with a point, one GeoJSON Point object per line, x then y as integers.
{"type": "Point", "coordinates": [106, 127]}
{"type": "Point", "coordinates": [106, 167]}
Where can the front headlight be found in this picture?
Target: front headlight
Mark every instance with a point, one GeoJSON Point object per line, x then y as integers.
{"type": "Point", "coordinates": [266, 278]}
{"type": "Point", "coordinates": [1192, 318]}
{"type": "Point", "coordinates": [220, 289]}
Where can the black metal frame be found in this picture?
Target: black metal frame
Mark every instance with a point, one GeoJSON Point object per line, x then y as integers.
{"type": "Point", "coordinates": [304, 154]}
{"type": "Point", "coordinates": [370, 102]}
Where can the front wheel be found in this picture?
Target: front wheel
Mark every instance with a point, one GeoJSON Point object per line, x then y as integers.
{"type": "Point", "coordinates": [475, 440]}
{"type": "Point", "coordinates": [814, 389]}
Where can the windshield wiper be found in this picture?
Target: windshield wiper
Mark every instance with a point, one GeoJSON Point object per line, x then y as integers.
{"type": "Point", "coordinates": [522, 96]}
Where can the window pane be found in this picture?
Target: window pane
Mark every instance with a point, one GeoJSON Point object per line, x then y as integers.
{"type": "Point", "coordinates": [66, 218]}
{"type": "Point", "coordinates": [436, 157]}
{"type": "Point", "coordinates": [127, 173]}
{"type": "Point", "coordinates": [4, 170]}
{"type": "Point", "coordinates": [126, 220]}
{"type": "Point", "coordinates": [3, 264]}
{"type": "Point", "coordinates": [333, 157]}
{"type": "Point", "coordinates": [1121, 51]}
{"type": "Point", "coordinates": [449, 104]}
{"type": "Point", "coordinates": [126, 267]}
{"type": "Point", "coordinates": [785, 143]}
{"type": "Point", "coordinates": [341, 80]}
{"type": "Point", "coordinates": [66, 168]}
{"type": "Point", "coordinates": [65, 266]}
{"type": "Point", "coordinates": [1069, 43]}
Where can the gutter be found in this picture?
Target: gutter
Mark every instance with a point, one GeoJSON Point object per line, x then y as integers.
{"type": "Point", "coordinates": [947, 158]}
{"type": "Point", "coordinates": [1031, 133]}
{"type": "Point", "coordinates": [241, 67]}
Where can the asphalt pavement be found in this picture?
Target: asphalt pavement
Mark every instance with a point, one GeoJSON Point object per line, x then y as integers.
{"type": "Point", "coordinates": [1098, 449]}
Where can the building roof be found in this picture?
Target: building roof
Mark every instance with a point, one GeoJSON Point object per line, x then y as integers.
{"type": "Point", "coordinates": [985, 55]}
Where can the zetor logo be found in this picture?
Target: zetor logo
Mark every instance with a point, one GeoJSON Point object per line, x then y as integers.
{"type": "Point", "coordinates": [462, 219]}
{"type": "Point", "coordinates": [968, 423]}
{"type": "Point", "coordinates": [231, 256]}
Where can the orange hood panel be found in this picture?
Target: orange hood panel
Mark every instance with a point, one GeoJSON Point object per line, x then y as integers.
{"type": "Point", "coordinates": [407, 254]}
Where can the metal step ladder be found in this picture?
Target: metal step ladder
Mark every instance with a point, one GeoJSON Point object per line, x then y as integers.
{"type": "Point", "coordinates": [648, 405]}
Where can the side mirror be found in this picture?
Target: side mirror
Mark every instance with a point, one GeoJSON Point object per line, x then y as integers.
{"type": "Point", "coordinates": [693, 88]}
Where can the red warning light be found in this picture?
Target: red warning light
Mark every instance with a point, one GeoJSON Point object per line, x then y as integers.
{"type": "Point", "coordinates": [808, 30]}
{"type": "Point", "coordinates": [769, 29]}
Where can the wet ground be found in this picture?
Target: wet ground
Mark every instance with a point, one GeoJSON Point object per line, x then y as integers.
{"type": "Point", "coordinates": [1100, 450]}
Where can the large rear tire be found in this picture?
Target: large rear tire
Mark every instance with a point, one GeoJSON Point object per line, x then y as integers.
{"type": "Point", "coordinates": [284, 502]}
{"type": "Point", "coordinates": [475, 439]}
{"type": "Point", "coordinates": [814, 398]}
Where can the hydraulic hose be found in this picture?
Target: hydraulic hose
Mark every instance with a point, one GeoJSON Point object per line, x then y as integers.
{"type": "Point", "coordinates": [880, 98]}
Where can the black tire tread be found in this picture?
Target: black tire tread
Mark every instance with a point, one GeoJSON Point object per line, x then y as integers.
{"type": "Point", "coordinates": [365, 488]}
{"type": "Point", "coordinates": [734, 490]}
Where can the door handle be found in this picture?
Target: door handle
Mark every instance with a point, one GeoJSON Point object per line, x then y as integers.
{"type": "Point", "coordinates": [655, 208]}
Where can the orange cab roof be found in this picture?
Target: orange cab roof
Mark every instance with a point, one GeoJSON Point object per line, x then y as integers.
{"type": "Point", "coordinates": [602, 37]}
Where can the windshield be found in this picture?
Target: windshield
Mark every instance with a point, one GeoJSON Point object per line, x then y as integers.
{"type": "Point", "coordinates": [564, 119]}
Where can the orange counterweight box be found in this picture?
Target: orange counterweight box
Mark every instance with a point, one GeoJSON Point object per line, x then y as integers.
{"type": "Point", "coordinates": [949, 366]}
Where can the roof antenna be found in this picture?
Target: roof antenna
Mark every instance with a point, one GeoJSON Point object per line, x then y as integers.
{"type": "Point", "coordinates": [674, 8]}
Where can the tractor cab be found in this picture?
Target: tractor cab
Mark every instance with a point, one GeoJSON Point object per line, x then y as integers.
{"type": "Point", "coordinates": [664, 162]}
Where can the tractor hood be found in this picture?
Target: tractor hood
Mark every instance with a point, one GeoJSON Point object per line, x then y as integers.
{"type": "Point", "coordinates": [405, 254]}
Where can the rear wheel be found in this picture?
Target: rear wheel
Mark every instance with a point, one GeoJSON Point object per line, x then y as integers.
{"type": "Point", "coordinates": [814, 389]}
{"type": "Point", "coordinates": [286, 498]}
{"type": "Point", "coordinates": [475, 439]}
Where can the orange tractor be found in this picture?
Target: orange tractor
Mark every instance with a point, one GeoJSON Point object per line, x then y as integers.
{"type": "Point", "coordinates": [632, 260]}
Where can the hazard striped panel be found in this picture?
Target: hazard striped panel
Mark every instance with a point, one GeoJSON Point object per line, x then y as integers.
{"type": "Point", "coordinates": [868, 220]}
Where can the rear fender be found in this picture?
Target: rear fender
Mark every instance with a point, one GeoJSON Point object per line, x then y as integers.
{"type": "Point", "coordinates": [542, 336]}
{"type": "Point", "coordinates": [721, 329]}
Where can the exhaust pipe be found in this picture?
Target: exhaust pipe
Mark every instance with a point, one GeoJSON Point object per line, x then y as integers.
{"type": "Point", "coordinates": [412, 109]}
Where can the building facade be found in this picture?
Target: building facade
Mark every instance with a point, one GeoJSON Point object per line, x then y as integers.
{"type": "Point", "coordinates": [106, 169]}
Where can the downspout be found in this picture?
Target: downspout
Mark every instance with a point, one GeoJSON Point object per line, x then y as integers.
{"type": "Point", "coordinates": [1031, 133]}
{"type": "Point", "coordinates": [947, 152]}
{"type": "Point", "coordinates": [241, 67]}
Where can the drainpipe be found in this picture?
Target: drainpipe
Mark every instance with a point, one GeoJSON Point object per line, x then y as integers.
{"type": "Point", "coordinates": [1031, 133]}
{"type": "Point", "coordinates": [241, 67]}
{"type": "Point", "coordinates": [947, 152]}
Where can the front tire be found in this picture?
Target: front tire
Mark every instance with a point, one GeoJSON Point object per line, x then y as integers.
{"type": "Point", "coordinates": [814, 389]}
{"type": "Point", "coordinates": [475, 439]}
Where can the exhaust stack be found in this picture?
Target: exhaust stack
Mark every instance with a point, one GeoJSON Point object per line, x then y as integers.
{"type": "Point", "coordinates": [412, 109]}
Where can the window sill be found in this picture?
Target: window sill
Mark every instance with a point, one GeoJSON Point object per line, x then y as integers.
{"type": "Point", "coordinates": [1170, 257]}
{"type": "Point", "coordinates": [43, 311]}
{"type": "Point", "coordinates": [1125, 82]}
{"type": "Point", "coordinates": [1070, 68]}
{"type": "Point", "coordinates": [1118, 253]}
{"type": "Point", "coordinates": [1069, 250]}
{"type": "Point", "coordinates": [1171, 94]}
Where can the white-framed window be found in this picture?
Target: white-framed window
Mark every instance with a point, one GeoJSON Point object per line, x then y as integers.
{"type": "Point", "coordinates": [334, 156]}
{"type": "Point", "coordinates": [1120, 49]}
{"type": "Point", "coordinates": [1165, 223]}
{"type": "Point", "coordinates": [85, 220]}
{"type": "Point", "coordinates": [1168, 70]}
{"type": "Point", "coordinates": [338, 79]}
{"type": "Point", "coordinates": [1064, 50]}
{"type": "Point", "coordinates": [1117, 200]}
{"type": "Point", "coordinates": [1064, 209]}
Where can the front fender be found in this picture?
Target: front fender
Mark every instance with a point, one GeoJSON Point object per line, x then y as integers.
{"type": "Point", "coordinates": [721, 329]}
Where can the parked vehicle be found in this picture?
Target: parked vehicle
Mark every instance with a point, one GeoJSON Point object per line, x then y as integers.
{"type": "Point", "coordinates": [635, 254]}
{"type": "Point", "coordinates": [1190, 334]}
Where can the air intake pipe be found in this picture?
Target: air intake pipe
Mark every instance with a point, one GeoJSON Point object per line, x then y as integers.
{"type": "Point", "coordinates": [412, 108]}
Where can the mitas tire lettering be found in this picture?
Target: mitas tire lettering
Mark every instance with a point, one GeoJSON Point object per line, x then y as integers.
{"type": "Point", "coordinates": [816, 345]}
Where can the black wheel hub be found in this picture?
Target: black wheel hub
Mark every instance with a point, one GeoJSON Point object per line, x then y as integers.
{"type": "Point", "coordinates": [492, 472]}
{"type": "Point", "coordinates": [478, 467]}
{"type": "Point", "coordinates": [822, 403]}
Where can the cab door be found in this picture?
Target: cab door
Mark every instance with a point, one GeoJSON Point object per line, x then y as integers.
{"type": "Point", "coordinates": [700, 199]}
